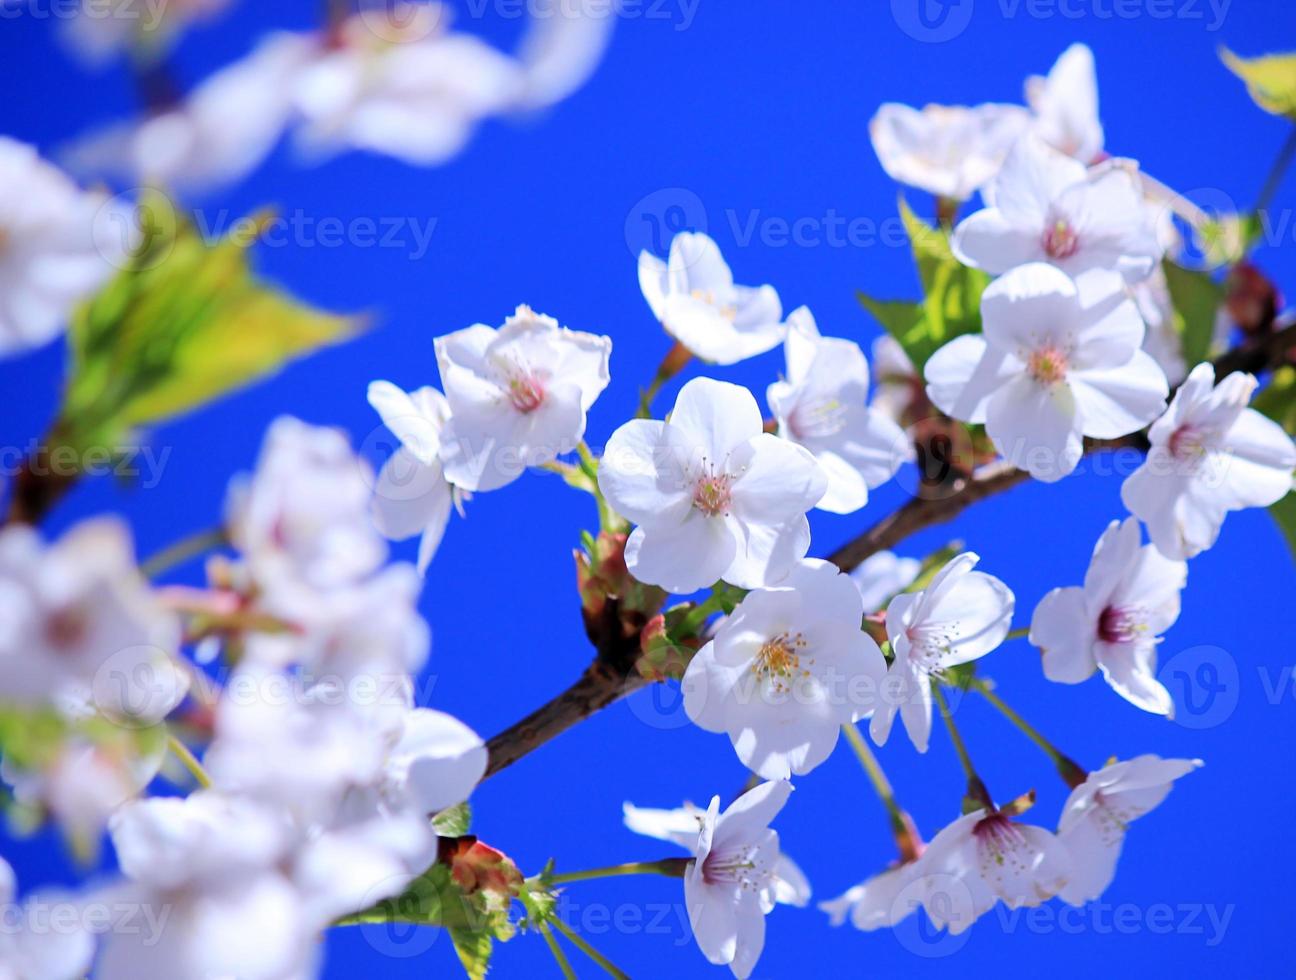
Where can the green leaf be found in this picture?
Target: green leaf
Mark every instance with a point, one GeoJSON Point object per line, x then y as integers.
{"type": "Point", "coordinates": [454, 821]}
{"type": "Point", "coordinates": [474, 949]}
{"type": "Point", "coordinates": [951, 303]}
{"type": "Point", "coordinates": [1270, 79]}
{"type": "Point", "coordinates": [1196, 299]}
{"type": "Point", "coordinates": [1284, 513]}
{"type": "Point", "coordinates": [1278, 402]}
{"type": "Point", "coordinates": [182, 325]}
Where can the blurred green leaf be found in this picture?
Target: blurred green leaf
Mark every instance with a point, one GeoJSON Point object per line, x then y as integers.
{"type": "Point", "coordinates": [1270, 79]}
{"type": "Point", "coordinates": [1196, 299]}
{"type": "Point", "coordinates": [1278, 401]}
{"type": "Point", "coordinates": [1284, 513]}
{"type": "Point", "coordinates": [474, 948]}
{"type": "Point", "coordinates": [454, 821]}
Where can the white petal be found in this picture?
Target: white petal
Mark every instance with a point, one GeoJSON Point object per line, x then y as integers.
{"type": "Point", "coordinates": [1036, 428]}
{"type": "Point", "coordinates": [1062, 630]}
{"type": "Point", "coordinates": [963, 374]}
{"type": "Point", "coordinates": [1113, 402]}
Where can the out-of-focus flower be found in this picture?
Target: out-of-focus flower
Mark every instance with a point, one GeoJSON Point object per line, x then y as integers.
{"type": "Point", "coordinates": [823, 405]}
{"type": "Point", "coordinates": [786, 670]}
{"type": "Point", "coordinates": [875, 903]}
{"type": "Point", "coordinates": [1065, 103]}
{"type": "Point", "coordinates": [693, 296]}
{"type": "Point", "coordinates": [53, 247]}
{"type": "Point", "coordinates": [730, 886]}
{"type": "Point", "coordinates": [1051, 367]}
{"type": "Point", "coordinates": [1099, 811]}
{"type": "Point", "coordinates": [517, 395]}
{"type": "Point", "coordinates": [682, 825]}
{"type": "Point", "coordinates": [1161, 340]}
{"type": "Point", "coordinates": [714, 496]}
{"type": "Point", "coordinates": [1210, 454]}
{"type": "Point", "coordinates": [31, 949]}
{"type": "Point", "coordinates": [949, 151]}
{"type": "Point", "coordinates": [1049, 208]}
{"type": "Point", "coordinates": [564, 43]}
{"type": "Point", "coordinates": [412, 495]}
{"type": "Point", "coordinates": [960, 617]}
{"type": "Point", "coordinates": [881, 576]}
{"type": "Point", "coordinates": [1115, 621]}
{"type": "Point", "coordinates": [100, 31]}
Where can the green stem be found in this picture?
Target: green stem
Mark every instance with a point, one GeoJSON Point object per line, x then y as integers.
{"type": "Point", "coordinates": [696, 617]}
{"type": "Point", "coordinates": [183, 550]}
{"type": "Point", "coordinates": [901, 826]}
{"type": "Point", "coordinates": [976, 790]}
{"type": "Point", "coordinates": [1018, 634]}
{"type": "Point", "coordinates": [580, 943]}
{"type": "Point", "coordinates": [589, 464]}
{"type": "Point", "coordinates": [671, 867]}
{"type": "Point", "coordinates": [1277, 171]}
{"type": "Point", "coordinates": [1072, 773]}
{"type": "Point", "coordinates": [559, 956]}
{"type": "Point", "coordinates": [674, 362]}
{"type": "Point", "coordinates": [181, 752]}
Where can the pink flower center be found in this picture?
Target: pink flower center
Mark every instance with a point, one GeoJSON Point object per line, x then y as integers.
{"type": "Point", "coordinates": [1061, 240]}
{"type": "Point", "coordinates": [1187, 442]}
{"type": "Point", "coordinates": [1047, 365]}
{"type": "Point", "coordinates": [713, 494]}
{"type": "Point", "coordinates": [1118, 625]}
{"type": "Point", "coordinates": [525, 392]}
{"type": "Point", "coordinates": [66, 629]}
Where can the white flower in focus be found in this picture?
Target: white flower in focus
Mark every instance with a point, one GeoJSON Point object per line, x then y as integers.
{"type": "Point", "coordinates": [823, 405]}
{"type": "Point", "coordinates": [30, 948]}
{"type": "Point", "coordinates": [682, 825]}
{"type": "Point", "coordinates": [50, 255]}
{"type": "Point", "coordinates": [1210, 454]}
{"type": "Point", "coordinates": [518, 396]}
{"type": "Point", "coordinates": [78, 622]}
{"type": "Point", "coordinates": [412, 495]}
{"type": "Point", "coordinates": [985, 857]}
{"type": "Point", "coordinates": [1115, 621]}
{"type": "Point", "coordinates": [1049, 208]}
{"type": "Point", "coordinates": [1099, 811]}
{"type": "Point", "coordinates": [715, 497]}
{"type": "Point", "coordinates": [1065, 104]}
{"type": "Point", "coordinates": [730, 886]}
{"type": "Point", "coordinates": [960, 617]}
{"type": "Point", "coordinates": [1052, 366]}
{"type": "Point", "coordinates": [875, 903]}
{"type": "Point", "coordinates": [883, 575]}
{"type": "Point", "coordinates": [302, 521]}
{"type": "Point", "coordinates": [395, 81]}
{"type": "Point", "coordinates": [786, 670]}
{"type": "Point", "coordinates": [949, 151]}
{"type": "Point", "coordinates": [692, 294]}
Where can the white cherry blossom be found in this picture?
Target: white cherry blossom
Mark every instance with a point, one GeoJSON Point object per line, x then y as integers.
{"type": "Point", "coordinates": [30, 947]}
{"type": "Point", "coordinates": [961, 616]}
{"type": "Point", "coordinates": [1210, 454]}
{"type": "Point", "coordinates": [682, 825]}
{"type": "Point", "coordinates": [730, 886]}
{"type": "Point", "coordinates": [99, 31]}
{"type": "Point", "coordinates": [692, 294]}
{"type": "Point", "coordinates": [786, 670]}
{"type": "Point", "coordinates": [1115, 621]}
{"type": "Point", "coordinates": [949, 151]}
{"type": "Point", "coordinates": [563, 45]}
{"type": "Point", "coordinates": [714, 496]}
{"type": "Point", "coordinates": [1049, 208]}
{"type": "Point", "coordinates": [1097, 815]}
{"type": "Point", "coordinates": [57, 245]}
{"type": "Point", "coordinates": [1065, 104]}
{"type": "Point", "coordinates": [896, 382]}
{"type": "Point", "coordinates": [877, 902]}
{"type": "Point", "coordinates": [517, 395]}
{"type": "Point", "coordinates": [982, 858]}
{"type": "Point", "coordinates": [881, 576]}
{"type": "Point", "coordinates": [1052, 366]}
{"type": "Point", "coordinates": [412, 495]}
{"type": "Point", "coordinates": [822, 405]}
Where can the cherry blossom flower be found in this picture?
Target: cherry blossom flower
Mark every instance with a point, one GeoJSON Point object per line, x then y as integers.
{"type": "Point", "coordinates": [518, 396]}
{"type": "Point", "coordinates": [1053, 365]}
{"type": "Point", "coordinates": [79, 623]}
{"type": "Point", "coordinates": [1162, 340]}
{"type": "Point", "coordinates": [876, 903]}
{"type": "Point", "coordinates": [34, 950]}
{"type": "Point", "coordinates": [898, 388]}
{"type": "Point", "coordinates": [960, 617]}
{"type": "Point", "coordinates": [949, 151]}
{"type": "Point", "coordinates": [881, 576]}
{"type": "Point", "coordinates": [682, 825]}
{"type": "Point", "coordinates": [692, 294]}
{"type": "Point", "coordinates": [985, 857]}
{"type": "Point", "coordinates": [822, 405]}
{"type": "Point", "coordinates": [714, 496]}
{"type": "Point", "coordinates": [730, 886]}
{"type": "Point", "coordinates": [1113, 622]}
{"type": "Point", "coordinates": [100, 31]}
{"type": "Point", "coordinates": [564, 43]}
{"type": "Point", "coordinates": [1099, 811]}
{"type": "Point", "coordinates": [1210, 454]}
{"type": "Point", "coordinates": [51, 256]}
{"type": "Point", "coordinates": [1049, 208]}
{"type": "Point", "coordinates": [1065, 104]}
{"type": "Point", "coordinates": [412, 495]}
{"type": "Point", "coordinates": [786, 670]}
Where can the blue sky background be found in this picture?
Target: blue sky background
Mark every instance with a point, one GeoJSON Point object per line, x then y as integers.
{"type": "Point", "coordinates": [739, 113]}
